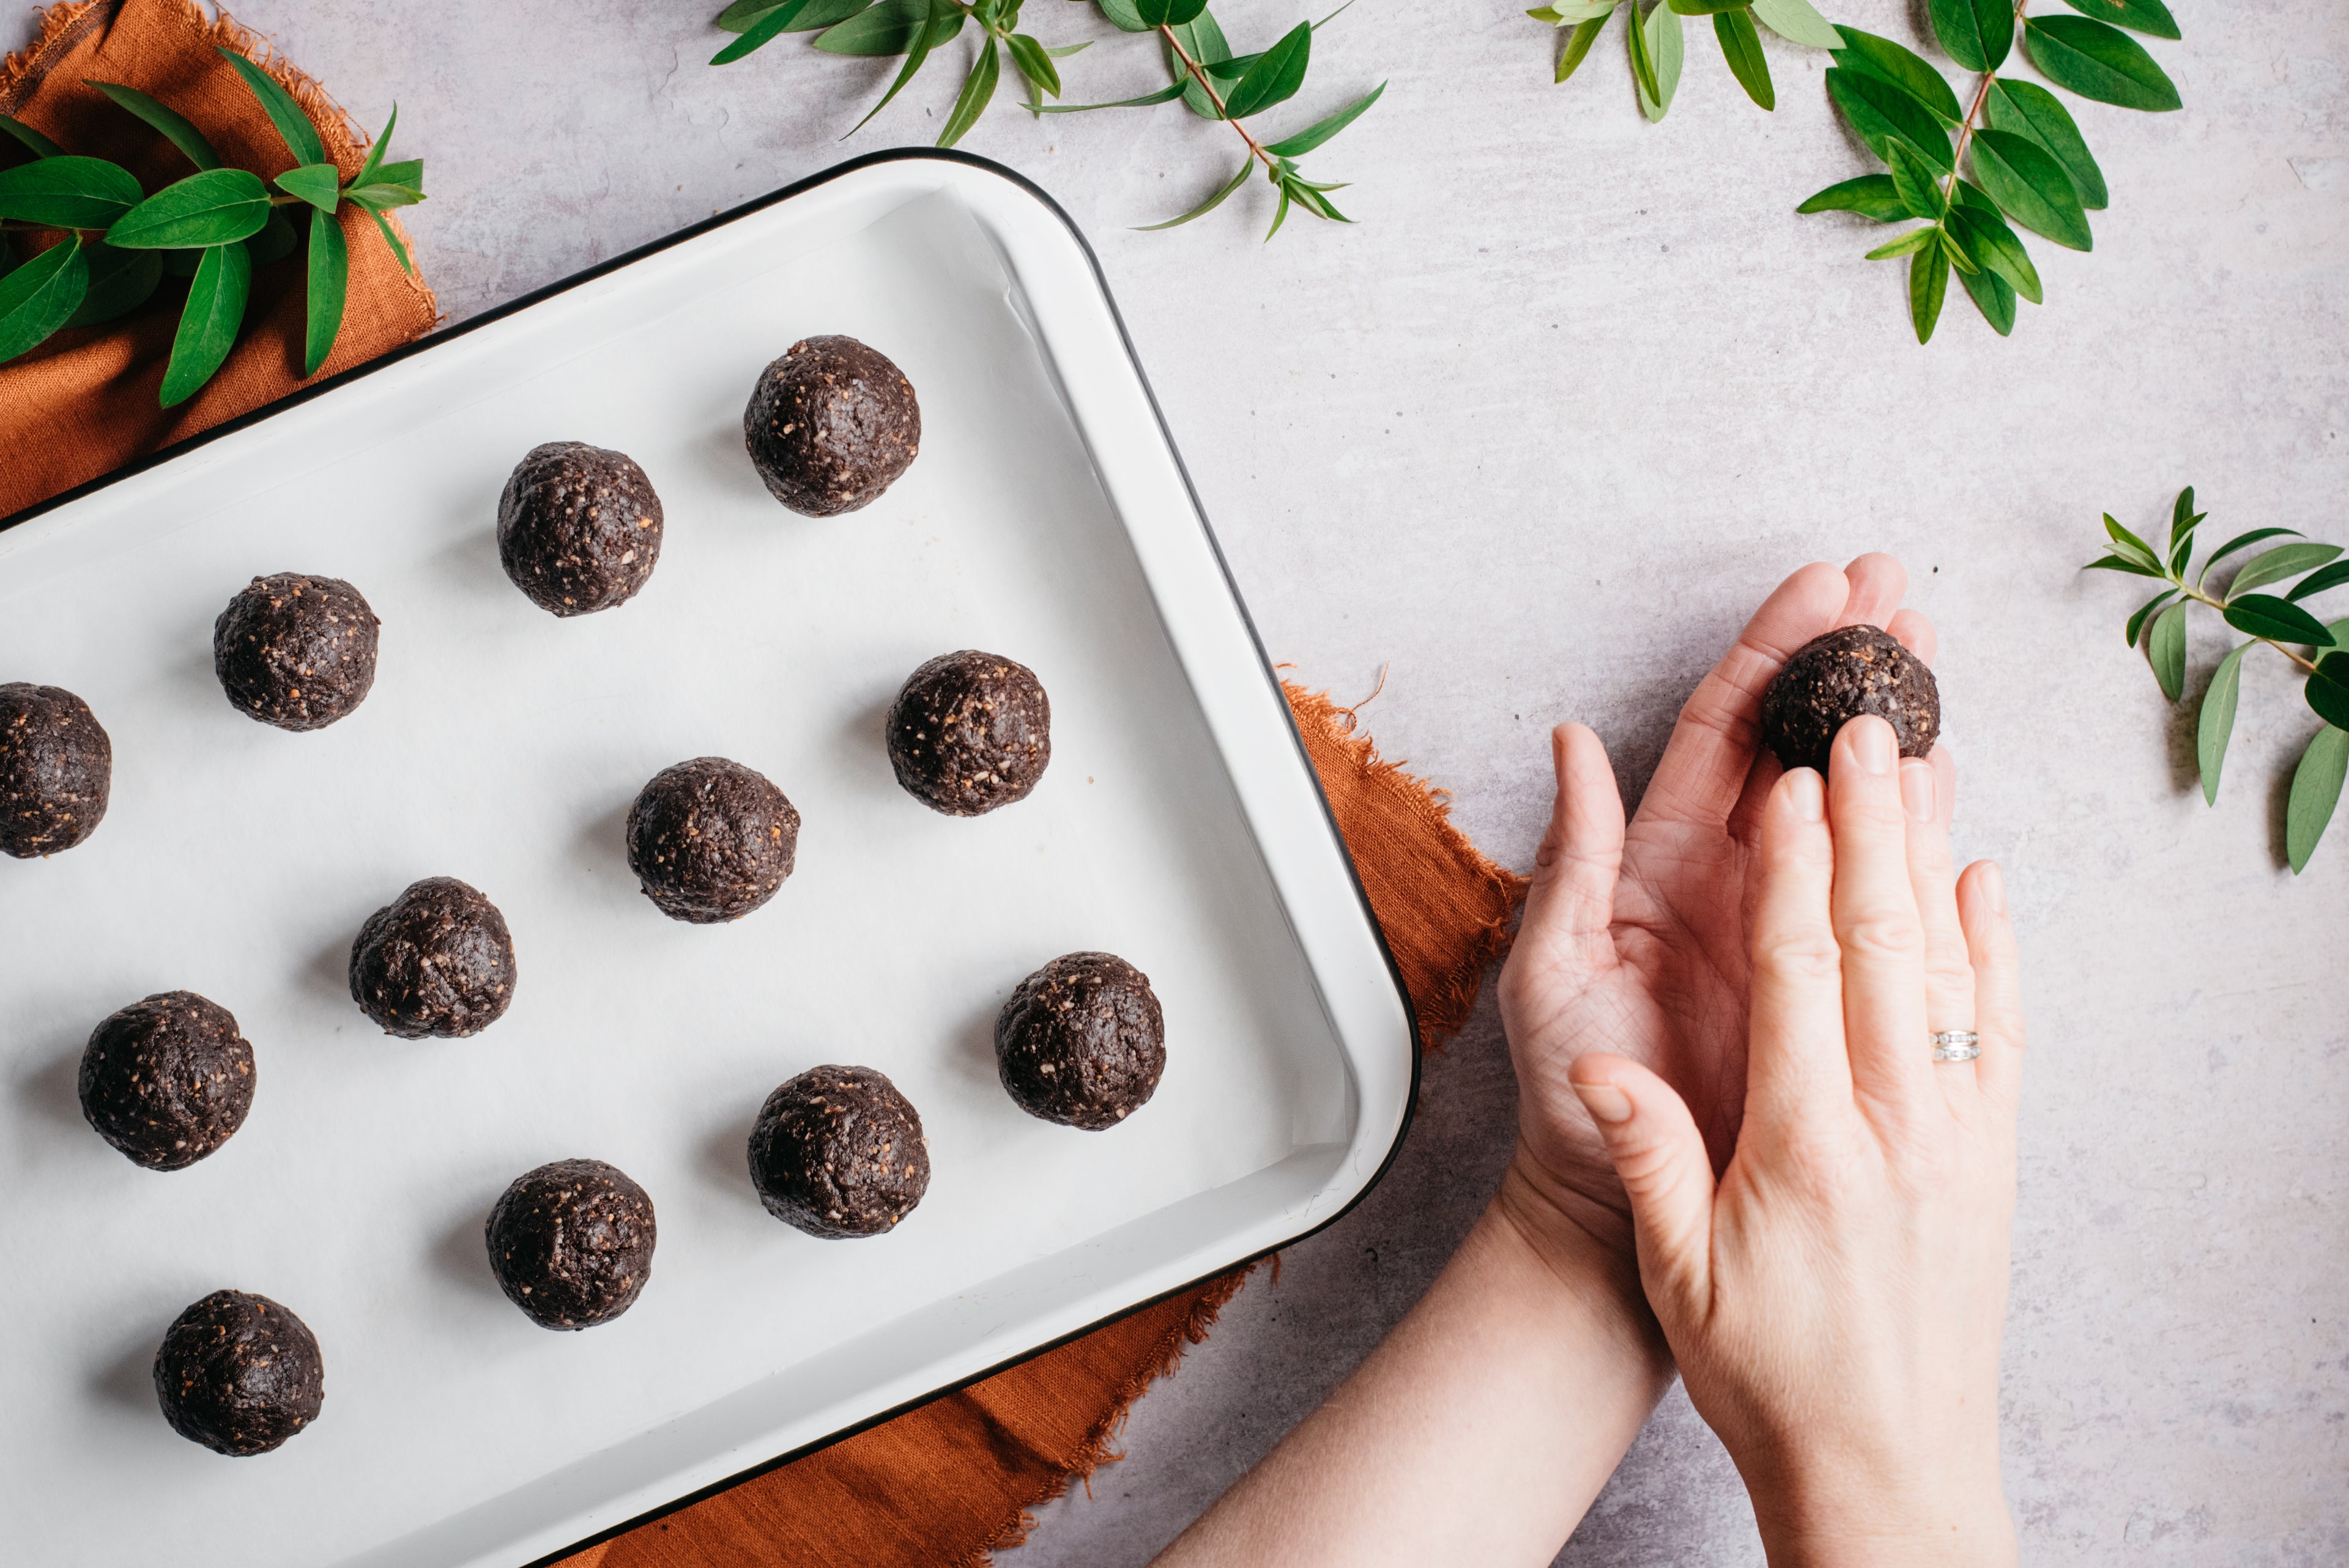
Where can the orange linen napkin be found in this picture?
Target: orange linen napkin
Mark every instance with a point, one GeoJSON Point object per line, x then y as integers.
{"type": "Point", "coordinates": [84, 403]}
{"type": "Point", "coordinates": [940, 1485]}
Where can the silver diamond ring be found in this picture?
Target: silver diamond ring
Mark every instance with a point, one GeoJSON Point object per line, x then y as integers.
{"type": "Point", "coordinates": [1956, 1045]}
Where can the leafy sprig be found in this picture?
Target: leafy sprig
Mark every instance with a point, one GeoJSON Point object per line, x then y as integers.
{"type": "Point", "coordinates": [114, 242]}
{"type": "Point", "coordinates": [1207, 75]}
{"type": "Point", "coordinates": [1657, 47]}
{"type": "Point", "coordinates": [2277, 621]}
{"type": "Point", "coordinates": [2030, 164]}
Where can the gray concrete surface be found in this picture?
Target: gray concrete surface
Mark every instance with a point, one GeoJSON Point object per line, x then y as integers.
{"type": "Point", "coordinates": [1538, 433]}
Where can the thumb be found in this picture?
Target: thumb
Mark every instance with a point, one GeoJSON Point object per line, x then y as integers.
{"type": "Point", "coordinates": [1659, 1156]}
{"type": "Point", "coordinates": [1571, 901]}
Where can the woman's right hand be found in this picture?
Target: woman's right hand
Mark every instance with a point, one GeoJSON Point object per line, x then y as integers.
{"type": "Point", "coordinates": [1835, 1301]}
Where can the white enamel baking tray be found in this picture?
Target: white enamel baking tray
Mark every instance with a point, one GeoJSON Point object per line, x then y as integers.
{"type": "Point", "coordinates": [1047, 518]}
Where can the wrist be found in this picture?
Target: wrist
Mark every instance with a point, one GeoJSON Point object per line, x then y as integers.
{"type": "Point", "coordinates": [1581, 1247]}
{"type": "Point", "coordinates": [1956, 1519]}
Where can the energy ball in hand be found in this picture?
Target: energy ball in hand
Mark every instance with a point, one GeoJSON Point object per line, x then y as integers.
{"type": "Point", "coordinates": [579, 527]}
{"type": "Point", "coordinates": [239, 1373]}
{"type": "Point", "coordinates": [437, 960]}
{"type": "Point", "coordinates": [711, 840]}
{"type": "Point", "coordinates": [1082, 1041]}
{"type": "Point", "coordinates": [572, 1243]}
{"type": "Point", "coordinates": [1832, 679]}
{"type": "Point", "coordinates": [830, 425]}
{"type": "Point", "coordinates": [56, 770]}
{"type": "Point", "coordinates": [295, 651]}
{"type": "Point", "coordinates": [837, 1151]}
{"type": "Point", "coordinates": [970, 732]}
{"type": "Point", "coordinates": [167, 1081]}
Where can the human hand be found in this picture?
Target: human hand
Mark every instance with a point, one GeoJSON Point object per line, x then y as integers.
{"type": "Point", "coordinates": [1835, 1301]}
{"type": "Point", "coordinates": [1634, 939]}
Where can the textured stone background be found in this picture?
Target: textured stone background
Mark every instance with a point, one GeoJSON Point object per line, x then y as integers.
{"type": "Point", "coordinates": [1538, 433]}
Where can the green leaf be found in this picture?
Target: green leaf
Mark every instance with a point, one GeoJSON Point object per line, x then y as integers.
{"type": "Point", "coordinates": [2315, 790]}
{"type": "Point", "coordinates": [1644, 59]}
{"type": "Point", "coordinates": [2097, 62]}
{"type": "Point", "coordinates": [329, 279]}
{"type": "Point", "coordinates": [1166, 94]}
{"type": "Point", "coordinates": [300, 136]}
{"type": "Point", "coordinates": [1210, 204]}
{"type": "Point", "coordinates": [1740, 46]}
{"type": "Point", "coordinates": [2216, 726]}
{"type": "Point", "coordinates": [2145, 613]}
{"type": "Point", "coordinates": [1796, 21]}
{"type": "Point", "coordinates": [2328, 689]}
{"type": "Point", "coordinates": [1928, 285]}
{"type": "Point", "coordinates": [1708, 7]}
{"type": "Point", "coordinates": [743, 14]}
{"type": "Point", "coordinates": [373, 166]}
{"type": "Point", "coordinates": [1882, 114]}
{"type": "Point", "coordinates": [1122, 16]}
{"type": "Point", "coordinates": [40, 146]}
{"type": "Point", "coordinates": [2121, 563]}
{"type": "Point", "coordinates": [319, 184]}
{"type": "Point", "coordinates": [2332, 576]}
{"type": "Point", "coordinates": [1992, 242]}
{"type": "Point", "coordinates": [214, 208]}
{"type": "Point", "coordinates": [1667, 52]}
{"type": "Point", "coordinates": [120, 283]}
{"type": "Point", "coordinates": [1034, 64]}
{"type": "Point", "coordinates": [174, 126]}
{"type": "Point", "coordinates": [1275, 78]}
{"type": "Point", "coordinates": [392, 239]}
{"type": "Point", "coordinates": [1912, 182]}
{"type": "Point", "coordinates": [1977, 34]}
{"type": "Point", "coordinates": [1322, 131]}
{"type": "Point", "coordinates": [1202, 39]}
{"type": "Point", "coordinates": [41, 296]}
{"type": "Point", "coordinates": [1871, 196]}
{"type": "Point", "coordinates": [1889, 61]}
{"type": "Point", "coordinates": [2165, 647]}
{"type": "Point", "coordinates": [2276, 620]}
{"type": "Point", "coordinates": [2027, 109]}
{"type": "Point", "coordinates": [274, 242]}
{"type": "Point", "coordinates": [1955, 250]}
{"type": "Point", "coordinates": [929, 20]}
{"type": "Point", "coordinates": [1993, 296]}
{"type": "Point", "coordinates": [209, 322]}
{"type": "Point", "coordinates": [2138, 16]}
{"type": "Point", "coordinates": [2182, 515]}
{"type": "Point", "coordinates": [1577, 46]}
{"type": "Point", "coordinates": [890, 27]}
{"type": "Point", "coordinates": [2284, 561]}
{"type": "Point", "coordinates": [1908, 245]}
{"type": "Point", "coordinates": [2129, 543]}
{"type": "Point", "coordinates": [379, 197]}
{"type": "Point", "coordinates": [977, 88]}
{"type": "Point", "coordinates": [65, 192]}
{"type": "Point", "coordinates": [1575, 11]}
{"type": "Point", "coordinates": [771, 25]}
{"type": "Point", "coordinates": [2024, 180]}
{"type": "Point", "coordinates": [2243, 542]}
{"type": "Point", "coordinates": [1168, 12]}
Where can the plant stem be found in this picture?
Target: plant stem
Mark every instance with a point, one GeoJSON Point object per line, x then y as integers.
{"type": "Point", "coordinates": [2307, 667]}
{"type": "Point", "coordinates": [1199, 74]}
{"type": "Point", "coordinates": [1966, 131]}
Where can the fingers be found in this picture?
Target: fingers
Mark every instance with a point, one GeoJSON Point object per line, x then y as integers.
{"type": "Point", "coordinates": [1705, 763]}
{"type": "Point", "coordinates": [1660, 1158]}
{"type": "Point", "coordinates": [1794, 1055]}
{"type": "Point", "coordinates": [1877, 925]}
{"type": "Point", "coordinates": [1916, 634]}
{"type": "Point", "coordinates": [1998, 991]}
{"type": "Point", "coordinates": [1572, 897]}
{"type": "Point", "coordinates": [1877, 582]}
{"type": "Point", "coordinates": [1927, 785]}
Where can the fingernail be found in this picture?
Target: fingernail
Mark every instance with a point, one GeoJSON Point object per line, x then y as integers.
{"type": "Point", "coordinates": [1993, 886]}
{"type": "Point", "coordinates": [1604, 1101]}
{"type": "Point", "coordinates": [1917, 790]}
{"type": "Point", "coordinates": [1873, 747]}
{"type": "Point", "coordinates": [1808, 793]}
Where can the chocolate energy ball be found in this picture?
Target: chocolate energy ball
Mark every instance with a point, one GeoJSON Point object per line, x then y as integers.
{"type": "Point", "coordinates": [711, 840]}
{"type": "Point", "coordinates": [830, 425]}
{"type": "Point", "coordinates": [239, 1373]}
{"type": "Point", "coordinates": [56, 768]}
{"type": "Point", "coordinates": [970, 732]}
{"type": "Point", "coordinates": [1082, 1041]}
{"type": "Point", "coordinates": [437, 960]}
{"type": "Point", "coordinates": [296, 651]}
{"type": "Point", "coordinates": [1832, 679]}
{"type": "Point", "coordinates": [572, 1243]}
{"type": "Point", "coordinates": [167, 1081]}
{"type": "Point", "coordinates": [579, 527]}
{"type": "Point", "coordinates": [837, 1151]}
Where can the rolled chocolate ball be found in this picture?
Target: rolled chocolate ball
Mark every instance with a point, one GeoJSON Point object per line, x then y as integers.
{"type": "Point", "coordinates": [572, 1243]}
{"type": "Point", "coordinates": [830, 425]}
{"type": "Point", "coordinates": [239, 1373]}
{"type": "Point", "coordinates": [1832, 679]}
{"type": "Point", "coordinates": [57, 770]}
{"type": "Point", "coordinates": [295, 651]}
{"type": "Point", "coordinates": [167, 1081]}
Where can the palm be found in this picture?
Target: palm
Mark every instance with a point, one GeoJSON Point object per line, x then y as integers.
{"type": "Point", "coordinates": [1634, 938]}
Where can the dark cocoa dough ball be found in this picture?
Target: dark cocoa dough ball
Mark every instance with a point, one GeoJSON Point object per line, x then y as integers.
{"type": "Point", "coordinates": [56, 770]}
{"type": "Point", "coordinates": [830, 425]}
{"type": "Point", "coordinates": [579, 527]}
{"type": "Point", "coordinates": [837, 1151]}
{"type": "Point", "coordinates": [572, 1243]}
{"type": "Point", "coordinates": [296, 651]}
{"type": "Point", "coordinates": [1082, 1041]}
{"type": "Point", "coordinates": [711, 840]}
{"type": "Point", "coordinates": [437, 960]}
{"type": "Point", "coordinates": [239, 1373]}
{"type": "Point", "coordinates": [167, 1081]}
{"type": "Point", "coordinates": [970, 732]}
{"type": "Point", "coordinates": [1832, 679]}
